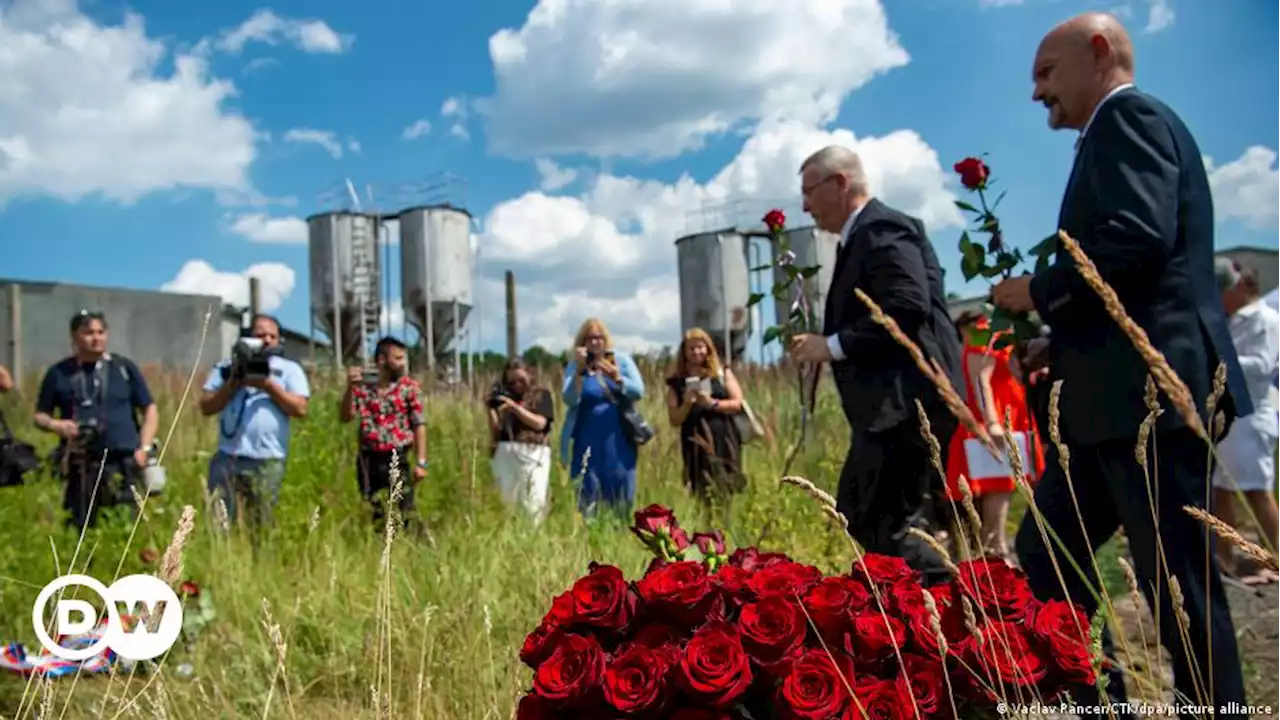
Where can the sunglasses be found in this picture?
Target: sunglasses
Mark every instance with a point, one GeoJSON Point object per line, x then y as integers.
{"type": "Point", "coordinates": [86, 316]}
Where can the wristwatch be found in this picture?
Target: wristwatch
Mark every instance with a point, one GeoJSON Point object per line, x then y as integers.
{"type": "Point", "coordinates": [422, 464]}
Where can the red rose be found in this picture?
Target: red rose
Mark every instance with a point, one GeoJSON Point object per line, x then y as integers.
{"type": "Point", "coordinates": [190, 589]}
{"type": "Point", "coordinates": [603, 599]}
{"type": "Point", "coordinates": [832, 603]}
{"type": "Point", "coordinates": [883, 700]}
{"type": "Point", "coordinates": [680, 591]}
{"type": "Point", "coordinates": [637, 680]}
{"type": "Point", "coordinates": [752, 560]}
{"type": "Point", "coordinates": [882, 570]}
{"type": "Point", "coordinates": [927, 682]}
{"type": "Point", "coordinates": [571, 677]}
{"type": "Point", "coordinates": [773, 632]}
{"type": "Point", "coordinates": [539, 644]}
{"type": "Point", "coordinates": [817, 688]}
{"type": "Point", "coordinates": [775, 220]}
{"type": "Point", "coordinates": [997, 588]}
{"type": "Point", "coordinates": [532, 707]}
{"type": "Point", "coordinates": [652, 519]}
{"type": "Point", "coordinates": [734, 584]}
{"type": "Point", "coordinates": [1064, 628]}
{"type": "Point", "coordinates": [875, 636]}
{"type": "Point", "coordinates": [973, 173]}
{"type": "Point", "coordinates": [950, 617]}
{"type": "Point", "coordinates": [788, 579]}
{"type": "Point", "coordinates": [715, 669]}
{"type": "Point", "coordinates": [561, 612]}
{"type": "Point", "coordinates": [709, 544]}
{"type": "Point", "coordinates": [655, 635]}
{"type": "Point", "coordinates": [1009, 654]}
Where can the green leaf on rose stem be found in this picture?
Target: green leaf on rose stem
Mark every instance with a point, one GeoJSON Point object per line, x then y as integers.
{"type": "Point", "coordinates": [762, 268]}
{"type": "Point", "coordinates": [972, 257]}
{"type": "Point", "coordinates": [792, 271]}
{"type": "Point", "coordinates": [770, 334]}
{"type": "Point", "coordinates": [996, 204]}
{"type": "Point", "coordinates": [990, 271]}
{"type": "Point", "coordinates": [808, 272]}
{"type": "Point", "coordinates": [755, 299]}
{"type": "Point", "coordinates": [1005, 261]}
{"type": "Point", "coordinates": [1047, 246]}
{"type": "Point", "coordinates": [966, 206]}
{"type": "Point", "coordinates": [990, 224]}
{"type": "Point", "coordinates": [1042, 263]}
{"type": "Point", "coordinates": [1001, 320]}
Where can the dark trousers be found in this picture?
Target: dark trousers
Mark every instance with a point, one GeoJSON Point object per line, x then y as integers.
{"type": "Point", "coordinates": [95, 482]}
{"type": "Point", "coordinates": [373, 477]}
{"type": "Point", "coordinates": [888, 486]}
{"type": "Point", "coordinates": [1111, 492]}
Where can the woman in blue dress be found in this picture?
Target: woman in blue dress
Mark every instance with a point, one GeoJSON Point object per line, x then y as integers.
{"type": "Point", "coordinates": [603, 454]}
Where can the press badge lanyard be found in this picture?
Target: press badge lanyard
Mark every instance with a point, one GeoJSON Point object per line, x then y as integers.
{"type": "Point", "coordinates": [100, 379]}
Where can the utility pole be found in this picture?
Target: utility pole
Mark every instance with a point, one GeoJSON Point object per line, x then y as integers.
{"type": "Point", "coordinates": [513, 347]}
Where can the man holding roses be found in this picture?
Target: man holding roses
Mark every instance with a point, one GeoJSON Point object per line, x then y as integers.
{"type": "Point", "coordinates": [1138, 203]}
{"type": "Point", "coordinates": [888, 484]}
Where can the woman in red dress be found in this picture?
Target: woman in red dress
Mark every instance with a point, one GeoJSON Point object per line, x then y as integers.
{"type": "Point", "coordinates": [992, 389]}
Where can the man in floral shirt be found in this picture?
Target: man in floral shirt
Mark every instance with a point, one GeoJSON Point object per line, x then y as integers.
{"type": "Point", "coordinates": [390, 420]}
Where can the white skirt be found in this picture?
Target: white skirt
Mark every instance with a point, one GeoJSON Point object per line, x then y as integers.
{"type": "Point", "coordinates": [1247, 455]}
{"type": "Point", "coordinates": [522, 472]}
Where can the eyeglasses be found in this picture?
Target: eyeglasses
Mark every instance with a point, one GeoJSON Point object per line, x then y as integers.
{"type": "Point", "coordinates": [806, 191]}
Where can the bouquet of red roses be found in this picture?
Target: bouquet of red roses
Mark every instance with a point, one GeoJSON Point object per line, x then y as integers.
{"type": "Point", "coordinates": [757, 635]}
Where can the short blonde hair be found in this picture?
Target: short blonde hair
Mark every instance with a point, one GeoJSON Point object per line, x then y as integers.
{"type": "Point", "coordinates": [588, 326]}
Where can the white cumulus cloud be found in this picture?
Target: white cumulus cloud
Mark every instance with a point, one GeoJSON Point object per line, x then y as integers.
{"type": "Point", "coordinates": [323, 138]}
{"type": "Point", "coordinates": [552, 176]}
{"type": "Point", "coordinates": [416, 130]}
{"type": "Point", "coordinates": [276, 282]}
{"type": "Point", "coordinates": [610, 250]}
{"type": "Point", "coordinates": [617, 77]}
{"type": "Point", "coordinates": [94, 109]}
{"type": "Point", "coordinates": [262, 228]}
{"type": "Point", "coordinates": [264, 26]}
{"type": "Point", "coordinates": [1247, 188]}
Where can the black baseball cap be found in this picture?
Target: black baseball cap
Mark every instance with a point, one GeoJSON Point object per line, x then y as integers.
{"type": "Point", "coordinates": [84, 316]}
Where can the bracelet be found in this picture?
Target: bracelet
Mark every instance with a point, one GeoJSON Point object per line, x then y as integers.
{"type": "Point", "coordinates": [422, 464]}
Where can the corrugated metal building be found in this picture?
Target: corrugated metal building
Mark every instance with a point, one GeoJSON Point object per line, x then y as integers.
{"type": "Point", "coordinates": [1264, 261]}
{"type": "Point", "coordinates": [150, 327]}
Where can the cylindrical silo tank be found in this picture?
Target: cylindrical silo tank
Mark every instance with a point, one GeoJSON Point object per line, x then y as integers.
{"type": "Point", "coordinates": [811, 247]}
{"type": "Point", "coordinates": [715, 287]}
{"type": "Point", "coordinates": [435, 271]}
{"type": "Point", "coordinates": [345, 271]}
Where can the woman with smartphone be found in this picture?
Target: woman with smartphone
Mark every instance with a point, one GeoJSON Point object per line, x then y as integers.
{"type": "Point", "coordinates": [598, 381]}
{"type": "Point", "coordinates": [702, 399]}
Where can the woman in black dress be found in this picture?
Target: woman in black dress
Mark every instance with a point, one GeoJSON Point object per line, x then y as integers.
{"type": "Point", "coordinates": [702, 399]}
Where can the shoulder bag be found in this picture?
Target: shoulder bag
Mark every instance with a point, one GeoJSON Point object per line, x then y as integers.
{"type": "Point", "coordinates": [749, 428]}
{"type": "Point", "coordinates": [638, 430]}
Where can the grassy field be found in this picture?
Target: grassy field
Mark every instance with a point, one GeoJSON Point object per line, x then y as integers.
{"type": "Point", "coordinates": [434, 636]}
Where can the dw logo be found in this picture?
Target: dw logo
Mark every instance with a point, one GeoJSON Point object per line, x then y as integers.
{"type": "Point", "coordinates": [155, 607]}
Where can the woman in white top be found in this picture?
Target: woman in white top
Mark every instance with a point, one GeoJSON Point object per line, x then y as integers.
{"type": "Point", "coordinates": [1247, 453]}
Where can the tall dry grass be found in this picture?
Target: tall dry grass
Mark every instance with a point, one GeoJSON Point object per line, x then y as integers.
{"type": "Point", "coordinates": [330, 616]}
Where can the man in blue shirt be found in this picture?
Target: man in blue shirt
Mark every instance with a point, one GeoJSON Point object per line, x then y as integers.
{"type": "Point", "coordinates": [253, 426]}
{"type": "Point", "coordinates": [96, 396]}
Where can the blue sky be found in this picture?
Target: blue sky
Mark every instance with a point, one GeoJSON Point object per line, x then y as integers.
{"type": "Point", "coordinates": [143, 146]}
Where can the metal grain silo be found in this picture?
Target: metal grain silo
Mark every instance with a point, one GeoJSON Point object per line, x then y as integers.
{"type": "Point", "coordinates": [345, 272]}
{"type": "Point", "coordinates": [436, 274]}
{"type": "Point", "coordinates": [715, 287]}
{"type": "Point", "coordinates": [811, 247]}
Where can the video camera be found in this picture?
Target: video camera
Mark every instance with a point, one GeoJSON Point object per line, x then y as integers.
{"type": "Point", "coordinates": [250, 360]}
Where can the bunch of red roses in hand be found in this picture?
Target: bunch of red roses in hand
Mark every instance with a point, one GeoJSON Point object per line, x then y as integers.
{"type": "Point", "coordinates": [757, 635]}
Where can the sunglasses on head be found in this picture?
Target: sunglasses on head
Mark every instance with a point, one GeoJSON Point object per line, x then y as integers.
{"type": "Point", "coordinates": [84, 317]}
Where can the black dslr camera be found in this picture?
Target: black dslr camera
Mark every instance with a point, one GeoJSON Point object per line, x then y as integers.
{"type": "Point", "coordinates": [250, 360]}
{"type": "Point", "coordinates": [89, 434]}
{"type": "Point", "coordinates": [497, 394]}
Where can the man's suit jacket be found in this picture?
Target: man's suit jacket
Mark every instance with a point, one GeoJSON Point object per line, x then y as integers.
{"type": "Point", "coordinates": [889, 257]}
{"type": "Point", "coordinates": [1138, 203]}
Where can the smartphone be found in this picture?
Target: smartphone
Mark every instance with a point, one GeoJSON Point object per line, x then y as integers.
{"type": "Point", "coordinates": [691, 383]}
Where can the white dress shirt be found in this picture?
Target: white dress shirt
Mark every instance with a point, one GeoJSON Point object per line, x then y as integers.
{"type": "Point", "coordinates": [833, 341]}
{"type": "Point", "coordinates": [1247, 452]}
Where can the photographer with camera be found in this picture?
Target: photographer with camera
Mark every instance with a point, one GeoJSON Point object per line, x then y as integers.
{"type": "Point", "coordinates": [255, 393]}
{"type": "Point", "coordinates": [96, 396]}
{"type": "Point", "coordinates": [520, 417]}
{"type": "Point", "coordinates": [388, 404]}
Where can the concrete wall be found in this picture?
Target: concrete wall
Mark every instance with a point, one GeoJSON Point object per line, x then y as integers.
{"type": "Point", "coordinates": [149, 327]}
{"type": "Point", "coordinates": [1264, 262]}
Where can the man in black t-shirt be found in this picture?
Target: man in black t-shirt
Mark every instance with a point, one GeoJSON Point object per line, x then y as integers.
{"type": "Point", "coordinates": [96, 397]}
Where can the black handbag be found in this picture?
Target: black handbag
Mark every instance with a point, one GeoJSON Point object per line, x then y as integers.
{"type": "Point", "coordinates": [638, 430]}
{"type": "Point", "coordinates": [17, 458]}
